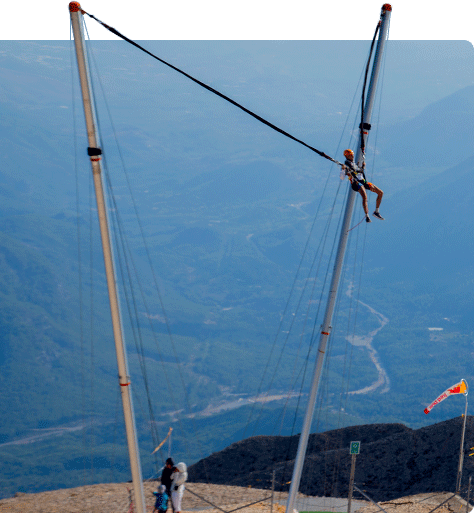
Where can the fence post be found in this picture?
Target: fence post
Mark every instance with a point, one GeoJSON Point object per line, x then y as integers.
{"type": "Point", "coordinates": [273, 489]}
{"type": "Point", "coordinates": [468, 494]}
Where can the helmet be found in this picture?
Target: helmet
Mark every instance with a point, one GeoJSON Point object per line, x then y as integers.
{"type": "Point", "coordinates": [348, 153]}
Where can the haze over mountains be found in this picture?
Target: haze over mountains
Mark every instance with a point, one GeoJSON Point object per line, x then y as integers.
{"type": "Point", "coordinates": [226, 207]}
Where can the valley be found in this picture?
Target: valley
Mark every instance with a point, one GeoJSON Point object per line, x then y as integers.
{"type": "Point", "coordinates": [227, 211]}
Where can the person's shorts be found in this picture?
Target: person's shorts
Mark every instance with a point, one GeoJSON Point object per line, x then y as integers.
{"type": "Point", "coordinates": [357, 185]}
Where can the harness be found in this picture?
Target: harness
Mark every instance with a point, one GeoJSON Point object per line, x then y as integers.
{"type": "Point", "coordinates": [354, 170]}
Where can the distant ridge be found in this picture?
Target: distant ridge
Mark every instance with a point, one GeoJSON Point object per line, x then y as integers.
{"type": "Point", "coordinates": [394, 461]}
{"type": "Point", "coordinates": [415, 140]}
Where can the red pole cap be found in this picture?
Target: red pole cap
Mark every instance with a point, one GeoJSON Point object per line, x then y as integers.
{"type": "Point", "coordinates": [74, 7]}
{"type": "Point", "coordinates": [387, 7]}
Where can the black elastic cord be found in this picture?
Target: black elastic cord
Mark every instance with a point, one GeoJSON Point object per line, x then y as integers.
{"type": "Point", "coordinates": [223, 96]}
{"type": "Point", "coordinates": [366, 126]}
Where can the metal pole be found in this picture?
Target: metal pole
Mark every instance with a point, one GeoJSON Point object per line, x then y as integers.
{"type": "Point", "coordinates": [94, 153]}
{"type": "Point", "coordinates": [351, 482]}
{"type": "Point", "coordinates": [461, 451]}
{"type": "Point", "coordinates": [326, 326]}
{"type": "Point", "coordinates": [169, 445]}
{"type": "Point", "coordinates": [468, 494]}
{"type": "Point", "coordinates": [273, 491]}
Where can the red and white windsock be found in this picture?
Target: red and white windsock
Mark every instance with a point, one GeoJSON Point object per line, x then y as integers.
{"type": "Point", "coordinates": [458, 388]}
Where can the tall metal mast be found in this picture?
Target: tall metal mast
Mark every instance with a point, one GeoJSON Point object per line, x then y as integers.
{"type": "Point", "coordinates": [461, 450]}
{"type": "Point", "coordinates": [94, 153]}
{"type": "Point", "coordinates": [326, 326]}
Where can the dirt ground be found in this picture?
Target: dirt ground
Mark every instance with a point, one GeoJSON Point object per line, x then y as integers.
{"type": "Point", "coordinates": [115, 498]}
{"type": "Point", "coordinates": [422, 503]}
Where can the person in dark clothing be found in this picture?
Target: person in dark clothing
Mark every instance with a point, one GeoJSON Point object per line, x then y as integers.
{"type": "Point", "coordinates": [166, 476]}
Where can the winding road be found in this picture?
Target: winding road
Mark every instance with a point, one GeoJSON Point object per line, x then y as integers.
{"type": "Point", "coordinates": [383, 380]}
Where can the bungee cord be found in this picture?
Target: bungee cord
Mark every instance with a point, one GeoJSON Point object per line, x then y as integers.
{"type": "Point", "coordinates": [214, 91]}
{"type": "Point", "coordinates": [363, 126]}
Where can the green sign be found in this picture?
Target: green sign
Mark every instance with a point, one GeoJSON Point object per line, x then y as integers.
{"type": "Point", "coordinates": [355, 447]}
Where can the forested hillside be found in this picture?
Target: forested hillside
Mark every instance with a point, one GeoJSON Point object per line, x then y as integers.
{"type": "Point", "coordinates": [235, 229]}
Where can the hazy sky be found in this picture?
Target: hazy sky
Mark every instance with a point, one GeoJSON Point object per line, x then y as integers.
{"type": "Point", "coordinates": [245, 19]}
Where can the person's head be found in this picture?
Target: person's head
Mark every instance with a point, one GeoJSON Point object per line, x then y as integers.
{"type": "Point", "coordinates": [162, 488]}
{"type": "Point", "coordinates": [169, 463]}
{"type": "Point", "coordinates": [349, 154]}
{"type": "Point", "coordinates": [181, 467]}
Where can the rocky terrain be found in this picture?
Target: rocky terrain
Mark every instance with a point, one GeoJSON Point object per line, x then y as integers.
{"type": "Point", "coordinates": [421, 503]}
{"type": "Point", "coordinates": [394, 461]}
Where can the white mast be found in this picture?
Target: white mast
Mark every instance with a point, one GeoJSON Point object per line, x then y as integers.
{"type": "Point", "coordinates": [326, 326]}
{"type": "Point", "coordinates": [94, 152]}
{"type": "Point", "coordinates": [461, 450]}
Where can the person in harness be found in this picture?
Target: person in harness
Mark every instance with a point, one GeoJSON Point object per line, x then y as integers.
{"type": "Point", "coordinates": [360, 184]}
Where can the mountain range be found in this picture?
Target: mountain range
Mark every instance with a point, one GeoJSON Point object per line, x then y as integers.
{"type": "Point", "coordinates": [227, 209]}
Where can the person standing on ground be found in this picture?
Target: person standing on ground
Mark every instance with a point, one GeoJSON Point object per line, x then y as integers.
{"type": "Point", "coordinates": [161, 502]}
{"type": "Point", "coordinates": [179, 477]}
{"type": "Point", "coordinates": [166, 479]}
{"type": "Point", "coordinates": [166, 475]}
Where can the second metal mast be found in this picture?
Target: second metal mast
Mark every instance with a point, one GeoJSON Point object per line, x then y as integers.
{"type": "Point", "coordinates": [94, 153]}
{"type": "Point", "coordinates": [326, 326]}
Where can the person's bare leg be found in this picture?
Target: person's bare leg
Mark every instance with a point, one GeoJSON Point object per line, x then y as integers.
{"type": "Point", "coordinates": [379, 193]}
{"type": "Point", "coordinates": [365, 205]}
